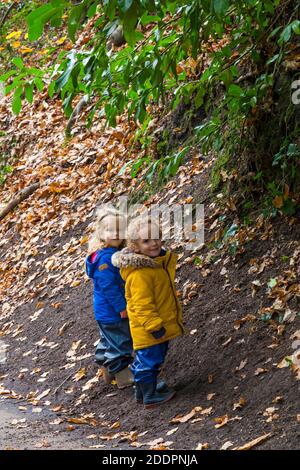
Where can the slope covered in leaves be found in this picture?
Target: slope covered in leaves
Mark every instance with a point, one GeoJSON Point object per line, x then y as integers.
{"type": "Point", "coordinates": [234, 369]}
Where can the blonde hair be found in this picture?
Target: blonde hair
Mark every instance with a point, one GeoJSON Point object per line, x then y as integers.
{"type": "Point", "coordinates": [97, 240]}
{"type": "Point", "coordinates": [135, 227]}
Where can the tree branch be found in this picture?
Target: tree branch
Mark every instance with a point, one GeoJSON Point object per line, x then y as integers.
{"type": "Point", "coordinates": [24, 194]}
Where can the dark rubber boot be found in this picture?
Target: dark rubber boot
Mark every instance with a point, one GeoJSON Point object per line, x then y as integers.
{"type": "Point", "coordinates": [152, 398]}
{"type": "Point", "coordinates": [138, 394]}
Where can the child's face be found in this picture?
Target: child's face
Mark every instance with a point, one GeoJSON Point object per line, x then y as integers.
{"type": "Point", "coordinates": [146, 245]}
{"type": "Point", "coordinates": [112, 229]}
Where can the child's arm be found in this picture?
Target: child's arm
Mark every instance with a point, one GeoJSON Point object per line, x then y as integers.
{"type": "Point", "coordinates": [142, 298]}
{"type": "Point", "coordinates": [109, 281]}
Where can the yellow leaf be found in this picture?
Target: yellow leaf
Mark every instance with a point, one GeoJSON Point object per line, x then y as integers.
{"type": "Point", "coordinates": [80, 374]}
{"type": "Point", "coordinates": [25, 50]}
{"type": "Point", "coordinates": [284, 363]}
{"type": "Point", "coordinates": [61, 40]}
{"type": "Point", "coordinates": [16, 44]}
{"type": "Point", "coordinates": [221, 421]}
{"type": "Point", "coordinates": [116, 425]}
{"type": "Point", "coordinates": [184, 419]}
{"type": "Point", "coordinates": [14, 34]}
{"type": "Point", "coordinates": [240, 404]}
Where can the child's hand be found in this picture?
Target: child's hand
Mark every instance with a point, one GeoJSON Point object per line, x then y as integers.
{"type": "Point", "coordinates": [160, 333]}
{"type": "Point", "coordinates": [123, 314]}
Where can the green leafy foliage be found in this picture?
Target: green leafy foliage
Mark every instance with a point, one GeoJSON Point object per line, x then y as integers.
{"type": "Point", "coordinates": [161, 37]}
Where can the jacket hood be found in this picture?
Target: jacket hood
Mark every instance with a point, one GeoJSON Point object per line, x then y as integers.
{"type": "Point", "coordinates": [91, 266]}
{"type": "Point", "coordinates": [129, 261]}
{"type": "Point", "coordinates": [127, 258]}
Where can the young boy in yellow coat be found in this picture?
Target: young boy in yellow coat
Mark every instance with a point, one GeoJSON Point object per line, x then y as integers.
{"type": "Point", "coordinates": [153, 309]}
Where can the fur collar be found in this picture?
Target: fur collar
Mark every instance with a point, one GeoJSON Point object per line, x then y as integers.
{"type": "Point", "coordinates": [126, 258]}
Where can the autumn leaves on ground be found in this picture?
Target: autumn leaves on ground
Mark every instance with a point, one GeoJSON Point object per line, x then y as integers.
{"type": "Point", "coordinates": [236, 370]}
{"type": "Point", "coordinates": [233, 370]}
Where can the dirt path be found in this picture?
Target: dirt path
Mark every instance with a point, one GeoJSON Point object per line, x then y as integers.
{"type": "Point", "coordinates": [24, 430]}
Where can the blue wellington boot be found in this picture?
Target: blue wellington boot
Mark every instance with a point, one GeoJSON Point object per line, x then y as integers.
{"type": "Point", "coordinates": [152, 398]}
{"type": "Point", "coordinates": [138, 394]}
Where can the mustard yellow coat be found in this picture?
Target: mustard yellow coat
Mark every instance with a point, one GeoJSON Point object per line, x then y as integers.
{"type": "Point", "coordinates": [151, 297]}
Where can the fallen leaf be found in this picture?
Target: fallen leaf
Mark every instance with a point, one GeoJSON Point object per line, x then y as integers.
{"type": "Point", "coordinates": [254, 442]}
{"type": "Point", "coordinates": [226, 445]}
{"type": "Point", "coordinates": [241, 366]}
{"type": "Point", "coordinates": [286, 361]}
{"type": "Point", "coordinates": [155, 442]}
{"type": "Point", "coordinates": [36, 410]}
{"type": "Point", "coordinates": [210, 396]}
{"type": "Point", "coordinates": [91, 421]}
{"type": "Point", "coordinates": [277, 399]}
{"type": "Point", "coordinates": [79, 375]}
{"type": "Point", "coordinates": [18, 421]}
{"type": "Point", "coordinates": [202, 446]}
{"type": "Point", "coordinates": [44, 394]}
{"type": "Point", "coordinates": [227, 342]}
{"type": "Point", "coordinates": [221, 421]}
{"type": "Point", "coordinates": [115, 425]}
{"type": "Point", "coordinates": [240, 404]}
{"type": "Point", "coordinates": [43, 443]}
{"type": "Point", "coordinates": [172, 431]}
{"type": "Point", "coordinates": [183, 419]}
{"type": "Point", "coordinates": [260, 371]}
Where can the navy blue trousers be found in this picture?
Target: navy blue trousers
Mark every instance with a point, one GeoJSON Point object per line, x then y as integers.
{"type": "Point", "coordinates": [148, 361]}
{"type": "Point", "coordinates": [114, 350]}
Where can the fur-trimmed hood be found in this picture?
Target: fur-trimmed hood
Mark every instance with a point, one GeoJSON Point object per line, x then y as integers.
{"type": "Point", "coordinates": [128, 259]}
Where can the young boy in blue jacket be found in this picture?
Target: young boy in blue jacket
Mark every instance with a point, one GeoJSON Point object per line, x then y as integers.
{"type": "Point", "coordinates": [114, 350]}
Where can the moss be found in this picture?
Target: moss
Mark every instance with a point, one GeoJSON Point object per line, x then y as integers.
{"type": "Point", "coordinates": [162, 146]}
{"type": "Point", "coordinates": [220, 164]}
{"type": "Point", "coordinates": [148, 190]}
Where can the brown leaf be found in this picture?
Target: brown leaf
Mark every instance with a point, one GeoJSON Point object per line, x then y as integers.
{"type": "Point", "coordinates": [221, 421]}
{"type": "Point", "coordinates": [80, 374]}
{"type": "Point", "coordinates": [210, 378]}
{"type": "Point", "coordinates": [241, 366]}
{"type": "Point", "coordinates": [185, 418]}
{"type": "Point", "coordinates": [91, 421]}
{"type": "Point", "coordinates": [260, 371]}
{"type": "Point", "coordinates": [254, 442]}
{"type": "Point", "coordinates": [202, 446]}
{"type": "Point", "coordinates": [210, 396]}
{"type": "Point", "coordinates": [240, 404]}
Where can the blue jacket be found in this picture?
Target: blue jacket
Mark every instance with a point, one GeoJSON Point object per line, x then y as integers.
{"type": "Point", "coordinates": [109, 291]}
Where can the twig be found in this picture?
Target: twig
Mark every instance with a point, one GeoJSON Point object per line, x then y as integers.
{"type": "Point", "coordinates": [69, 376]}
{"type": "Point", "coordinates": [24, 194]}
{"type": "Point", "coordinates": [13, 5]}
